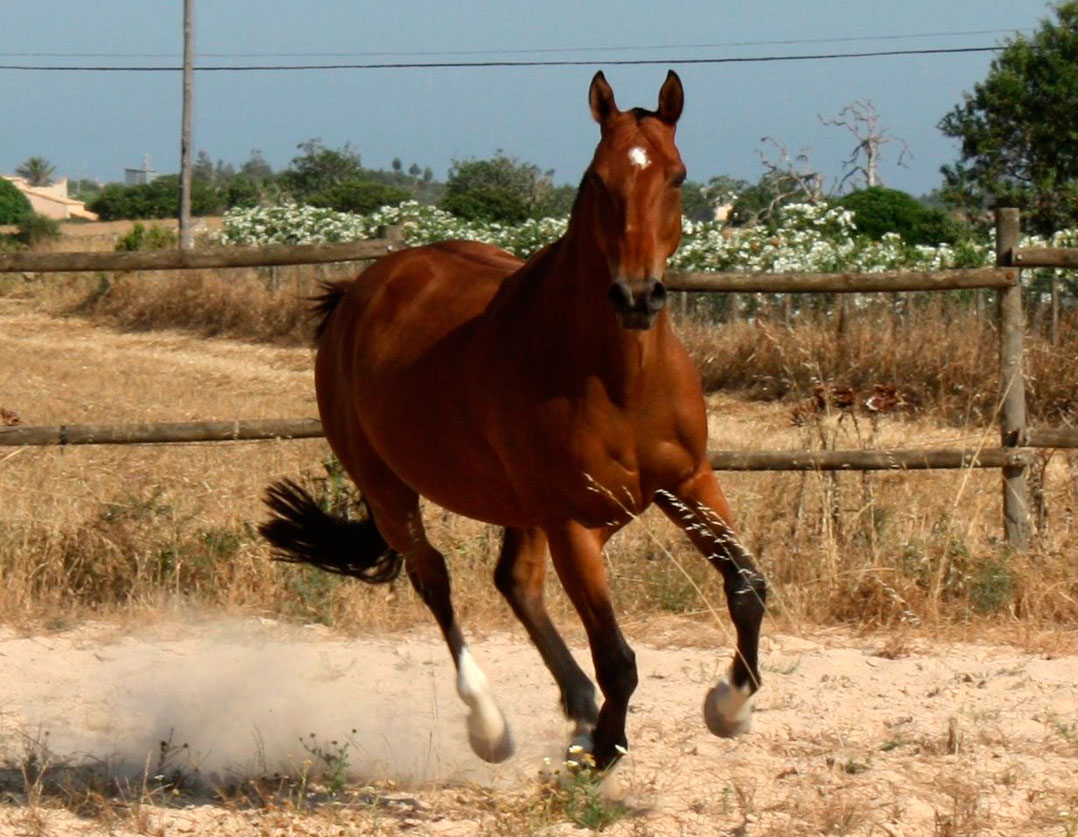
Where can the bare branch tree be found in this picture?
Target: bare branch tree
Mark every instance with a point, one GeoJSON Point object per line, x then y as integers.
{"type": "Point", "coordinates": [861, 119]}
{"type": "Point", "coordinates": [791, 176]}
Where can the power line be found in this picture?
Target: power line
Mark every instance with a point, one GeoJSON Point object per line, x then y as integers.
{"type": "Point", "coordinates": [519, 51]}
{"type": "Point", "coordinates": [450, 65]}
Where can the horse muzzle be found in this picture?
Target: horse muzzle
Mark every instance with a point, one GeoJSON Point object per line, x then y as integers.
{"type": "Point", "coordinates": [637, 304]}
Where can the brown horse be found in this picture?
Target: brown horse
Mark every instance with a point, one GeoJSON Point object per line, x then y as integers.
{"type": "Point", "coordinates": [551, 398]}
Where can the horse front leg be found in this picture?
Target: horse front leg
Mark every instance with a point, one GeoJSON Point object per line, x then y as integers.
{"type": "Point", "coordinates": [577, 553]}
{"type": "Point", "coordinates": [699, 508]}
{"type": "Point", "coordinates": [519, 577]}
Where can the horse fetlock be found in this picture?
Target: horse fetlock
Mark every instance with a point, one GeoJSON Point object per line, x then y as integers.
{"type": "Point", "coordinates": [728, 709]}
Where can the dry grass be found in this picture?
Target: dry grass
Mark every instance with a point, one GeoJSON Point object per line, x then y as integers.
{"type": "Point", "coordinates": [943, 360]}
{"type": "Point", "coordinates": [126, 530]}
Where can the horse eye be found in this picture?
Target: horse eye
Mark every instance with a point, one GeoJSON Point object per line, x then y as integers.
{"type": "Point", "coordinates": [678, 180]}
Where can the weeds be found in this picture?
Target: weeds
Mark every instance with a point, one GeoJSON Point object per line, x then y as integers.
{"type": "Point", "coordinates": [333, 758]}
{"type": "Point", "coordinates": [576, 794]}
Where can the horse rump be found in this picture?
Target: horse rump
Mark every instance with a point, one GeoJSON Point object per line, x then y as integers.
{"type": "Point", "coordinates": [302, 533]}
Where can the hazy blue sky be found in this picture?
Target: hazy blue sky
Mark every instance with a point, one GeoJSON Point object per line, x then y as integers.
{"type": "Point", "coordinates": [93, 124]}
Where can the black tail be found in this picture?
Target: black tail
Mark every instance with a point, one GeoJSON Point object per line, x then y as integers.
{"type": "Point", "coordinates": [301, 533]}
{"type": "Point", "coordinates": [325, 303]}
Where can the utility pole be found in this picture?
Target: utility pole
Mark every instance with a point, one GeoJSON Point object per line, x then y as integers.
{"type": "Point", "coordinates": [185, 130]}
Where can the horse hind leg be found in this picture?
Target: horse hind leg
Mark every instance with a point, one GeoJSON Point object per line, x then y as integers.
{"type": "Point", "coordinates": [488, 731]}
{"type": "Point", "coordinates": [700, 509]}
{"type": "Point", "coordinates": [394, 535]}
{"type": "Point", "coordinates": [396, 511]}
{"type": "Point", "coordinates": [519, 577]}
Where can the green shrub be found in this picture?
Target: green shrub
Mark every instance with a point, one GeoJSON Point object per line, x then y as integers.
{"type": "Point", "coordinates": [141, 238]}
{"type": "Point", "coordinates": [160, 199]}
{"type": "Point", "coordinates": [360, 196]}
{"type": "Point", "coordinates": [13, 203]}
{"type": "Point", "coordinates": [878, 210]}
{"type": "Point", "coordinates": [34, 229]}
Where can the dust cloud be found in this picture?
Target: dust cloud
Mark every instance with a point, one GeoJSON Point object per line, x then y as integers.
{"type": "Point", "coordinates": [224, 701]}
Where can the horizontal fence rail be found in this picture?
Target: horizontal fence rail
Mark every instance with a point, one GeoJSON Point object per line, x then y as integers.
{"type": "Point", "coordinates": [1044, 257]}
{"type": "Point", "coordinates": [162, 433]}
{"type": "Point", "coordinates": [1052, 437]}
{"type": "Point", "coordinates": [210, 257]}
{"type": "Point", "coordinates": [898, 459]}
{"type": "Point", "coordinates": [842, 283]}
{"type": "Point", "coordinates": [248, 430]}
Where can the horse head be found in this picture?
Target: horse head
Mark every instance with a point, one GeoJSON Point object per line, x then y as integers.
{"type": "Point", "coordinates": [633, 184]}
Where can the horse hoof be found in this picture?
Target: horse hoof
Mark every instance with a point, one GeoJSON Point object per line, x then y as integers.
{"type": "Point", "coordinates": [490, 737]}
{"type": "Point", "coordinates": [728, 710]}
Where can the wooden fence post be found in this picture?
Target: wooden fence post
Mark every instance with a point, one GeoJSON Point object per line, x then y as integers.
{"type": "Point", "coordinates": [1013, 429]}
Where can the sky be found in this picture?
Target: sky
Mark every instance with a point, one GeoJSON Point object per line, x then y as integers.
{"type": "Point", "coordinates": [95, 124]}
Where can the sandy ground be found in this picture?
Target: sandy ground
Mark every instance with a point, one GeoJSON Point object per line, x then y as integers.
{"type": "Point", "coordinates": [853, 735]}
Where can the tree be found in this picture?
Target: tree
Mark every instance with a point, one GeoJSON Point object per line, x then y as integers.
{"type": "Point", "coordinates": [318, 168]}
{"type": "Point", "coordinates": [499, 189]}
{"type": "Point", "coordinates": [788, 179]}
{"type": "Point", "coordinates": [861, 120]}
{"type": "Point", "coordinates": [878, 210]}
{"type": "Point", "coordinates": [1017, 129]}
{"type": "Point", "coordinates": [37, 170]}
{"type": "Point", "coordinates": [256, 168]}
{"type": "Point", "coordinates": [202, 170]}
{"type": "Point", "coordinates": [13, 203]}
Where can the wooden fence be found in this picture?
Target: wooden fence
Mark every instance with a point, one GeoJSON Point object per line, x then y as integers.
{"type": "Point", "coordinates": [1012, 456]}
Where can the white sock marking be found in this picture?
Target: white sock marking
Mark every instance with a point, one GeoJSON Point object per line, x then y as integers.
{"type": "Point", "coordinates": [487, 730]}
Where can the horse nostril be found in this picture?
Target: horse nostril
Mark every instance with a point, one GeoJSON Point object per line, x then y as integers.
{"type": "Point", "coordinates": [656, 295]}
{"type": "Point", "coordinates": [621, 296]}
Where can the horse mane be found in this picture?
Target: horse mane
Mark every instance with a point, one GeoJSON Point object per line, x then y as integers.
{"type": "Point", "coordinates": [325, 302]}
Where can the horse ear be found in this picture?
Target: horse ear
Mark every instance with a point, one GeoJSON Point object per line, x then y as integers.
{"type": "Point", "coordinates": [601, 99]}
{"type": "Point", "coordinates": [671, 99]}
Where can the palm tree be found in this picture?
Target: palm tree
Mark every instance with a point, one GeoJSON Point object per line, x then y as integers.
{"type": "Point", "coordinates": [37, 170]}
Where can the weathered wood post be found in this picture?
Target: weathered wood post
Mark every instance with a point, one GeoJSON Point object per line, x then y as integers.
{"type": "Point", "coordinates": [186, 237]}
{"type": "Point", "coordinates": [1012, 417]}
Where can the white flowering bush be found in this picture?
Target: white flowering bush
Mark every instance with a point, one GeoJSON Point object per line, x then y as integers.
{"type": "Point", "coordinates": [810, 238]}
{"type": "Point", "coordinates": [297, 224]}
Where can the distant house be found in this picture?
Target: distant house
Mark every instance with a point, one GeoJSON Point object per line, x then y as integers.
{"type": "Point", "coordinates": [52, 200]}
{"type": "Point", "coordinates": [142, 176]}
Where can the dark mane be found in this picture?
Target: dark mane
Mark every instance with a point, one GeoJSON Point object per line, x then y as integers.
{"type": "Point", "coordinates": [324, 303]}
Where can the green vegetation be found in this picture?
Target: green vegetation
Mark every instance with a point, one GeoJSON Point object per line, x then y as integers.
{"type": "Point", "coordinates": [1017, 129]}
{"type": "Point", "coordinates": [35, 229]}
{"type": "Point", "coordinates": [13, 203]}
{"type": "Point", "coordinates": [503, 189]}
{"type": "Point", "coordinates": [153, 238]}
{"type": "Point", "coordinates": [878, 211]}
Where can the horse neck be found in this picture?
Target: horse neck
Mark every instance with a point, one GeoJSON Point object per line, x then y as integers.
{"type": "Point", "coordinates": [579, 320]}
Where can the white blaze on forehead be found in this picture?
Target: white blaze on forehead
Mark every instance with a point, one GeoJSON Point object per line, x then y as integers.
{"type": "Point", "coordinates": [639, 157]}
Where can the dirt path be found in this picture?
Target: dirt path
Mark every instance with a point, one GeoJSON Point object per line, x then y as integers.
{"type": "Point", "coordinates": [852, 735]}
